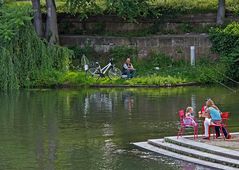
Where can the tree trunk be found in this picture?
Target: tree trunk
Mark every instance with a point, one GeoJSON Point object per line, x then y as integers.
{"type": "Point", "coordinates": [37, 17]}
{"type": "Point", "coordinates": [51, 23]}
{"type": "Point", "coordinates": [221, 12]}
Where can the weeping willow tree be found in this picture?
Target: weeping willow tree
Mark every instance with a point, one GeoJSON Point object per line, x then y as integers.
{"type": "Point", "coordinates": [25, 58]}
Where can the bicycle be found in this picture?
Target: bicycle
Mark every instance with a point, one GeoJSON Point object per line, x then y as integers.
{"type": "Point", "coordinates": [98, 72]}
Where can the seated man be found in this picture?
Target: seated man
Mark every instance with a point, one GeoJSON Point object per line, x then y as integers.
{"type": "Point", "coordinates": [128, 69]}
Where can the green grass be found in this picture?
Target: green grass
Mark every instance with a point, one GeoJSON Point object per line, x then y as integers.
{"type": "Point", "coordinates": [177, 73]}
{"type": "Point", "coordinates": [74, 78]}
{"type": "Point", "coordinates": [77, 79]}
{"type": "Point", "coordinates": [164, 77]}
{"type": "Point", "coordinates": [168, 74]}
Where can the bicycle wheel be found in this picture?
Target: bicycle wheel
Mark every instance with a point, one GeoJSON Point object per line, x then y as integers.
{"type": "Point", "coordinates": [93, 72]}
{"type": "Point", "coordinates": [114, 73]}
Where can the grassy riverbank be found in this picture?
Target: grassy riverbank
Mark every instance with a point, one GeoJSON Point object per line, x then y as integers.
{"type": "Point", "coordinates": [78, 78]}
{"type": "Point", "coordinates": [166, 77]}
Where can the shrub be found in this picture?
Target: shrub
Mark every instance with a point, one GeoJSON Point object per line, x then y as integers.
{"type": "Point", "coordinates": [225, 42]}
{"type": "Point", "coordinates": [160, 60]}
{"type": "Point", "coordinates": [120, 54]}
{"type": "Point", "coordinates": [88, 51]}
{"type": "Point", "coordinates": [207, 74]}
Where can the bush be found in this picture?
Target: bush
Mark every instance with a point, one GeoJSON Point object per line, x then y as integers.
{"type": "Point", "coordinates": [225, 42]}
{"type": "Point", "coordinates": [88, 51]}
{"type": "Point", "coordinates": [165, 64]}
{"type": "Point", "coordinates": [120, 54]}
{"type": "Point", "coordinates": [207, 74]}
{"type": "Point", "coordinates": [160, 60]}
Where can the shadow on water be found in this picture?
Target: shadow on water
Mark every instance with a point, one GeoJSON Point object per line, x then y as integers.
{"type": "Point", "coordinates": [93, 128]}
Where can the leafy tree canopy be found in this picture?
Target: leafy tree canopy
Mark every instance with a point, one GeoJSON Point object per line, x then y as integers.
{"type": "Point", "coordinates": [127, 9]}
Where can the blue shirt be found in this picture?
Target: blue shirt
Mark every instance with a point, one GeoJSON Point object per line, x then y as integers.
{"type": "Point", "coordinates": [215, 114]}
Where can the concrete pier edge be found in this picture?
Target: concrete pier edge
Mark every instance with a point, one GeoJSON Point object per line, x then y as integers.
{"type": "Point", "coordinates": [192, 151]}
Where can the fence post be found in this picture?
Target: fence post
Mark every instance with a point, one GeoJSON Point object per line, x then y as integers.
{"type": "Point", "coordinates": [192, 55]}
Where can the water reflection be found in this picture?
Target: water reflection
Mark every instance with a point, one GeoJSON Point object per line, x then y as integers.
{"type": "Point", "coordinates": [93, 128]}
{"type": "Point", "coordinates": [193, 102]}
{"type": "Point", "coordinates": [128, 99]}
{"type": "Point", "coordinates": [101, 101]}
{"type": "Point", "coordinates": [52, 140]}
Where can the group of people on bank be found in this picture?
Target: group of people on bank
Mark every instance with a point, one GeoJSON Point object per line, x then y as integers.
{"type": "Point", "coordinates": [212, 115]}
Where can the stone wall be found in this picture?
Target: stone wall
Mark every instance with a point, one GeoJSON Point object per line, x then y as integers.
{"type": "Point", "coordinates": [99, 24]}
{"type": "Point", "coordinates": [110, 23]}
{"type": "Point", "coordinates": [177, 46]}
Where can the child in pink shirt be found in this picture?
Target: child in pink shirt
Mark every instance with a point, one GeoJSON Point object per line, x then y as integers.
{"type": "Point", "coordinates": [188, 120]}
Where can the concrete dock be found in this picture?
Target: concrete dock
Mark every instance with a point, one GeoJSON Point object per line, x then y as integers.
{"type": "Point", "coordinates": [216, 153]}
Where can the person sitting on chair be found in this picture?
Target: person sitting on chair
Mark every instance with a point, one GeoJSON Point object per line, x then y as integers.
{"type": "Point", "coordinates": [213, 115]}
{"type": "Point", "coordinates": [189, 118]}
{"type": "Point", "coordinates": [128, 69]}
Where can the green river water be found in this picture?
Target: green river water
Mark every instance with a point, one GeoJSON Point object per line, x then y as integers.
{"type": "Point", "coordinates": [93, 128]}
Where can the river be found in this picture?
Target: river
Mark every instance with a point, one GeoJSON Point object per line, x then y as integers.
{"type": "Point", "coordinates": [94, 128]}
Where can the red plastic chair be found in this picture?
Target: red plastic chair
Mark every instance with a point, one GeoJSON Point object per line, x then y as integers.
{"type": "Point", "coordinates": [185, 123]}
{"type": "Point", "coordinates": [223, 123]}
{"type": "Point", "coordinates": [212, 126]}
{"type": "Point", "coordinates": [225, 117]}
{"type": "Point", "coordinates": [203, 108]}
{"type": "Point", "coordinates": [202, 111]}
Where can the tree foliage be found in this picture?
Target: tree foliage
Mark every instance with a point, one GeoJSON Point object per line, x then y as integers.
{"type": "Point", "coordinates": [127, 9]}
{"type": "Point", "coordinates": [85, 6]}
{"type": "Point", "coordinates": [25, 58]}
{"type": "Point", "coordinates": [131, 9]}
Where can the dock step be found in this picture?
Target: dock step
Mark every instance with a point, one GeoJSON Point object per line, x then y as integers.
{"type": "Point", "coordinates": [203, 147]}
{"type": "Point", "coordinates": [194, 153]}
{"type": "Point", "coordinates": [147, 146]}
